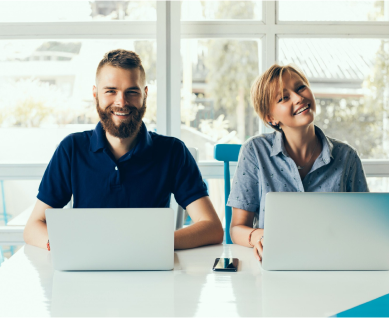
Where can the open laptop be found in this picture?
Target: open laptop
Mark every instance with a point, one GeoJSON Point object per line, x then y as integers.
{"type": "Point", "coordinates": [111, 239]}
{"type": "Point", "coordinates": [326, 231]}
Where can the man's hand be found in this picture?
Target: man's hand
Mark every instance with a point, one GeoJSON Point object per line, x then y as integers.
{"type": "Point", "coordinates": [206, 230]}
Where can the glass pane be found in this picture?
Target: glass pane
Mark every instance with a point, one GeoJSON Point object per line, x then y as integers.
{"type": "Point", "coordinates": [46, 92]}
{"type": "Point", "coordinates": [349, 78]}
{"type": "Point", "coordinates": [378, 184]}
{"type": "Point", "coordinates": [215, 98]}
{"type": "Point", "coordinates": [57, 11]}
{"type": "Point", "coordinates": [17, 198]}
{"type": "Point", "coordinates": [333, 10]}
{"type": "Point", "coordinates": [221, 10]}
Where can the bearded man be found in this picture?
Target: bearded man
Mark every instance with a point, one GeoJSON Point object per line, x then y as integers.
{"type": "Point", "coordinates": [120, 164]}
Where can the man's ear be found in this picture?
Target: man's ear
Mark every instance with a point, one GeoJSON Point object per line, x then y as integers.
{"type": "Point", "coordinates": [146, 91]}
{"type": "Point", "coordinates": [94, 91]}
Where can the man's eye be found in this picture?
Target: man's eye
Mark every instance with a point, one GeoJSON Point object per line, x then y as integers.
{"type": "Point", "coordinates": [132, 92]}
{"type": "Point", "coordinates": [111, 91]}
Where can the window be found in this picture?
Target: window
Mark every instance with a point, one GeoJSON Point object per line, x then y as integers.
{"type": "Point", "coordinates": [221, 10]}
{"type": "Point", "coordinates": [333, 11]}
{"type": "Point", "coordinates": [348, 78]}
{"type": "Point", "coordinates": [215, 94]}
{"type": "Point", "coordinates": [46, 91]}
{"type": "Point", "coordinates": [80, 10]}
{"type": "Point", "coordinates": [49, 52]}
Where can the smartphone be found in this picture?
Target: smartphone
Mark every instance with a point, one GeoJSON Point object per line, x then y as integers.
{"type": "Point", "coordinates": [226, 265]}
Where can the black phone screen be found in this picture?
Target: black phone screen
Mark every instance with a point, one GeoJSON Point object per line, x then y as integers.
{"type": "Point", "coordinates": [226, 264]}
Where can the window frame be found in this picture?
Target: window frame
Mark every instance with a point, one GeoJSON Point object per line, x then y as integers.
{"type": "Point", "coordinates": [168, 31]}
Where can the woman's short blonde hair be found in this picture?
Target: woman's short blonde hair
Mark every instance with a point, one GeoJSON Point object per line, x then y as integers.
{"type": "Point", "coordinates": [263, 91]}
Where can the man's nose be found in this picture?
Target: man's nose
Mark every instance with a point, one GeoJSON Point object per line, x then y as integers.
{"type": "Point", "coordinates": [120, 99]}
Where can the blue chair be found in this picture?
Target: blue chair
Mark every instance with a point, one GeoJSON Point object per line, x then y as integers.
{"type": "Point", "coordinates": [227, 153]}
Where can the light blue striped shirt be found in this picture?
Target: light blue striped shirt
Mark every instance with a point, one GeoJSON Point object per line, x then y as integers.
{"type": "Point", "coordinates": [265, 166]}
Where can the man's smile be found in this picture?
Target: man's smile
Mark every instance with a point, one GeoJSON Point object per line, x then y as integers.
{"type": "Point", "coordinates": [121, 114]}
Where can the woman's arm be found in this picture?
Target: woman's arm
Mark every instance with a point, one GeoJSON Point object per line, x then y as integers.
{"type": "Point", "coordinates": [241, 227]}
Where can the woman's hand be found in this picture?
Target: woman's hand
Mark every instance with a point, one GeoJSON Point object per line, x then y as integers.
{"type": "Point", "coordinates": [258, 249]}
{"type": "Point", "coordinates": [243, 233]}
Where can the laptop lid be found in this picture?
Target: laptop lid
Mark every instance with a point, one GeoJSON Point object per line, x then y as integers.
{"type": "Point", "coordinates": [326, 231]}
{"type": "Point", "coordinates": [111, 239]}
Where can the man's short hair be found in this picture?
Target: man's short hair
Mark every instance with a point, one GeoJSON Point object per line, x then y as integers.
{"type": "Point", "coordinates": [263, 91]}
{"type": "Point", "coordinates": [124, 59]}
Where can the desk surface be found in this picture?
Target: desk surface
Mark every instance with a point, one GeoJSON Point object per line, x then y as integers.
{"type": "Point", "coordinates": [30, 287]}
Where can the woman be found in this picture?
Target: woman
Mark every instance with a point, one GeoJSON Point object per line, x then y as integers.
{"type": "Point", "coordinates": [297, 157]}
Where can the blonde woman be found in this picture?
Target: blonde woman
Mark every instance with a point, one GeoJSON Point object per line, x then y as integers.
{"type": "Point", "coordinates": [296, 157]}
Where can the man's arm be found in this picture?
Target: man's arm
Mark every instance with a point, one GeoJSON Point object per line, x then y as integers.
{"type": "Point", "coordinates": [35, 232]}
{"type": "Point", "coordinates": [207, 228]}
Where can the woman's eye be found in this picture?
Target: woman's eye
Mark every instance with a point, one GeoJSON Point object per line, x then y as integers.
{"type": "Point", "coordinates": [283, 98]}
{"type": "Point", "coordinates": [302, 87]}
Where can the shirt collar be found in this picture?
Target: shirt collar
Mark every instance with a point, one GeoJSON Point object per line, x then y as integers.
{"type": "Point", "coordinates": [279, 146]}
{"type": "Point", "coordinates": [98, 140]}
{"type": "Point", "coordinates": [327, 145]}
{"type": "Point", "coordinates": [142, 148]}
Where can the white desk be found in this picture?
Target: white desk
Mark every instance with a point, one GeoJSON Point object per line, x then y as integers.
{"type": "Point", "coordinates": [30, 287]}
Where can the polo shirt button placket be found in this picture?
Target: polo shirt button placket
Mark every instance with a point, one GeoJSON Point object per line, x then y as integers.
{"type": "Point", "coordinates": [116, 177]}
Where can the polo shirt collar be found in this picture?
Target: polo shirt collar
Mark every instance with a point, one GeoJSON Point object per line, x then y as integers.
{"type": "Point", "coordinates": [145, 143]}
{"type": "Point", "coordinates": [279, 146]}
{"type": "Point", "coordinates": [143, 147]}
{"type": "Point", "coordinates": [98, 139]}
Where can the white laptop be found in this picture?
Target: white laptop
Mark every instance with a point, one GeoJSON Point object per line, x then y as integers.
{"type": "Point", "coordinates": [111, 239]}
{"type": "Point", "coordinates": [326, 231]}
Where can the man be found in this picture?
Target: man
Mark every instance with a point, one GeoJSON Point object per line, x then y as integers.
{"type": "Point", "coordinates": [120, 164]}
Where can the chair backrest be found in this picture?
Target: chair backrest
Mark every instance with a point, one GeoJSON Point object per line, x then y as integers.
{"type": "Point", "coordinates": [227, 153]}
{"type": "Point", "coordinates": [180, 212]}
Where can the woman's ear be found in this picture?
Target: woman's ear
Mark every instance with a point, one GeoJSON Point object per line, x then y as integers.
{"type": "Point", "coordinates": [269, 119]}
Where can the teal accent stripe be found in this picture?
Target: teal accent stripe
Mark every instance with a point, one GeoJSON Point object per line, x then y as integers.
{"type": "Point", "coordinates": [378, 307]}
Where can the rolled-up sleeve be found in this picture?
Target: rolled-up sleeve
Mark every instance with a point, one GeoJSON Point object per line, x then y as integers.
{"type": "Point", "coordinates": [245, 190]}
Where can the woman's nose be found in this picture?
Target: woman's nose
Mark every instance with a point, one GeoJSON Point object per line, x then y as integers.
{"type": "Point", "coordinates": [297, 98]}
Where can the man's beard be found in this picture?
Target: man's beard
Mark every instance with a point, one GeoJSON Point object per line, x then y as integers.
{"type": "Point", "coordinates": [127, 127]}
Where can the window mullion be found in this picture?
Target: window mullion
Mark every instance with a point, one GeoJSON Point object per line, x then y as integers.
{"type": "Point", "coordinates": [168, 68]}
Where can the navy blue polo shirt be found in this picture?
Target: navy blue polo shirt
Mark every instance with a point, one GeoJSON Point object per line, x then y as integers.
{"type": "Point", "coordinates": [145, 177]}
